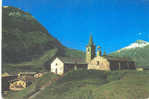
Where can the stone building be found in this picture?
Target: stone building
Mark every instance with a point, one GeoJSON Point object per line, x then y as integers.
{"type": "Point", "coordinates": [110, 63]}
{"type": "Point", "coordinates": [104, 62]}
{"type": "Point", "coordinates": [60, 65]}
{"type": "Point", "coordinates": [18, 84]}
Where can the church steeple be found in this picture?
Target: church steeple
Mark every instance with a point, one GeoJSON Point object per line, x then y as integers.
{"type": "Point", "coordinates": [90, 50]}
{"type": "Point", "coordinates": [90, 41]}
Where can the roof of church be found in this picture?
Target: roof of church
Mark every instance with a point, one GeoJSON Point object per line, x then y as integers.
{"type": "Point", "coordinates": [91, 43]}
{"type": "Point", "coordinates": [113, 58]}
{"type": "Point", "coordinates": [70, 60]}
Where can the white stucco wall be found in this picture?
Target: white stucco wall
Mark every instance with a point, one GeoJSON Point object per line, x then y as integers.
{"type": "Point", "coordinates": [59, 65]}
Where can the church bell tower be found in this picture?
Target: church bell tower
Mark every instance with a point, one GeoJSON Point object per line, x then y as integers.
{"type": "Point", "coordinates": [90, 50]}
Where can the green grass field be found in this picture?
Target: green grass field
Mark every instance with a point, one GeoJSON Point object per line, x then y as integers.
{"type": "Point", "coordinates": [91, 84]}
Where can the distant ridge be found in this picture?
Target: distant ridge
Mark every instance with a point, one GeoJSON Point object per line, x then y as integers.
{"type": "Point", "coordinates": [137, 44]}
{"type": "Point", "coordinates": [138, 51]}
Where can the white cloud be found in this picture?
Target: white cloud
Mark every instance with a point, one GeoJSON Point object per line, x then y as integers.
{"type": "Point", "coordinates": [140, 33]}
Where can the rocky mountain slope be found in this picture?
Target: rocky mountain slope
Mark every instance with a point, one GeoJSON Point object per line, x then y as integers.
{"type": "Point", "coordinates": [138, 51]}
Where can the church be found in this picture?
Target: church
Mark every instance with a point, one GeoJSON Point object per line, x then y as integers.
{"type": "Point", "coordinates": [105, 62]}
{"type": "Point", "coordinates": [94, 60]}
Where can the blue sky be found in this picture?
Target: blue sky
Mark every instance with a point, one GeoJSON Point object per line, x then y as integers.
{"type": "Point", "coordinates": [113, 23]}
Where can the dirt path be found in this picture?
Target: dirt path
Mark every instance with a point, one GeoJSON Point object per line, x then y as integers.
{"type": "Point", "coordinates": [43, 87]}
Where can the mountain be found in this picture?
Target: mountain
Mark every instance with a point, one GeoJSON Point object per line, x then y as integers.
{"type": "Point", "coordinates": [137, 44]}
{"type": "Point", "coordinates": [138, 51]}
{"type": "Point", "coordinates": [26, 44]}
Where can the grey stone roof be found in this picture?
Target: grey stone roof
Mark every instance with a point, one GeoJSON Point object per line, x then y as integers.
{"type": "Point", "coordinates": [113, 58]}
{"type": "Point", "coordinates": [70, 60]}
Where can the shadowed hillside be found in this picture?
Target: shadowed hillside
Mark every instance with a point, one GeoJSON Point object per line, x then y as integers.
{"type": "Point", "coordinates": [26, 44]}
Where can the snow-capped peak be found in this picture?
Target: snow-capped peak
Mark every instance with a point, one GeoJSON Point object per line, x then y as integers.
{"type": "Point", "coordinates": [137, 44]}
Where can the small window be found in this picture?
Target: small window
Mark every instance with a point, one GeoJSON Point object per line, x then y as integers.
{"type": "Point", "coordinates": [56, 64]}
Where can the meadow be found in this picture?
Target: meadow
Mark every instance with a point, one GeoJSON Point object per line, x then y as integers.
{"type": "Point", "coordinates": [90, 84]}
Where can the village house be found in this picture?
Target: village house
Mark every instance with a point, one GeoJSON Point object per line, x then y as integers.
{"type": "Point", "coordinates": [60, 65]}
{"type": "Point", "coordinates": [26, 74]}
{"type": "Point", "coordinates": [18, 84]}
{"type": "Point", "coordinates": [38, 75]}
